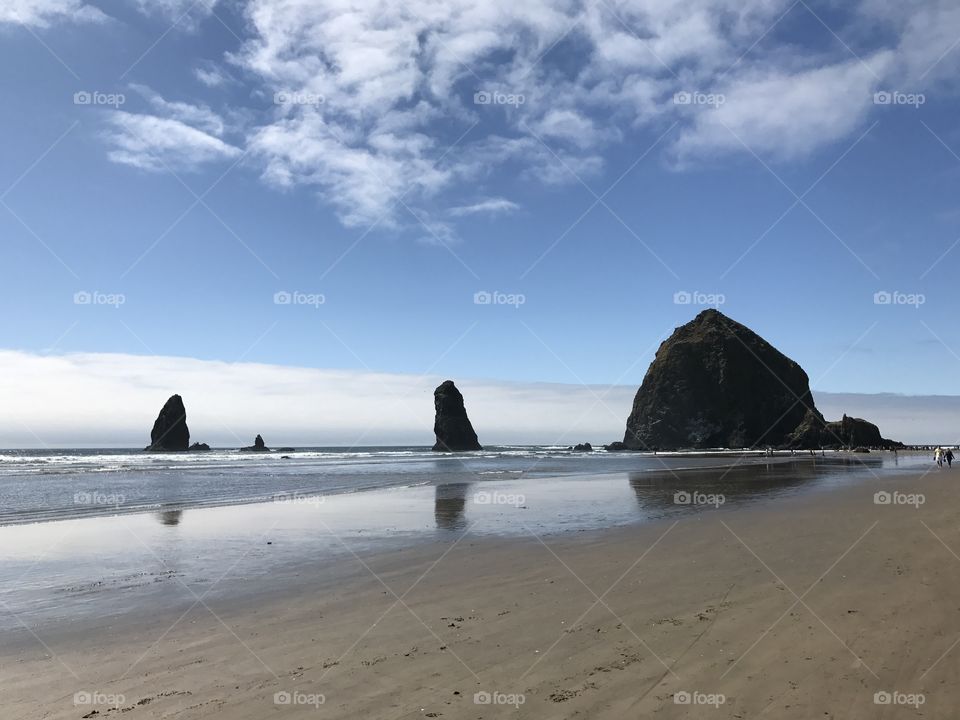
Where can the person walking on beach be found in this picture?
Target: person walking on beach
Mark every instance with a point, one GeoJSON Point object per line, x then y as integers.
{"type": "Point", "coordinates": [949, 456]}
{"type": "Point", "coordinates": [938, 457]}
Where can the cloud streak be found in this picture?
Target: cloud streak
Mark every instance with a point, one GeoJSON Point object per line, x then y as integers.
{"type": "Point", "coordinates": [42, 13]}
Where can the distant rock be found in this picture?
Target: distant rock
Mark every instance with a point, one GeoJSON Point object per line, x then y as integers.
{"type": "Point", "coordinates": [258, 446]}
{"type": "Point", "coordinates": [583, 447]}
{"type": "Point", "coordinates": [616, 446]}
{"type": "Point", "coordinates": [170, 432]}
{"type": "Point", "coordinates": [714, 383]}
{"type": "Point", "coordinates": [199, 447]}
{"type": "Point", "coordinates": [451, 424]}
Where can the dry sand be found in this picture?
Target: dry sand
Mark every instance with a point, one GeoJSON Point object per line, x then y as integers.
{"type": "Point", "coordinates": [800, 608]}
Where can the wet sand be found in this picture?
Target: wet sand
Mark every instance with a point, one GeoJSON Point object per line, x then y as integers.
{"type": "Point", "coordinates": [804, 607]}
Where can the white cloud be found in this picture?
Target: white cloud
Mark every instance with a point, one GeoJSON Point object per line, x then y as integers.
{"type": "Point", "coordinates": [40, 13]}
{"type": "Point", "coordinates": [491, 206]}
{"type": "Point", "coordinates": [198, 116]}
{"type": "Point", "coordinates": [185, 12]}
{"type": "Point", "coordinates": [784, 114]}
{"type": "Point", "coordinates": [211, 76]}
{"type": "Point", "coordinates": [154, 143]}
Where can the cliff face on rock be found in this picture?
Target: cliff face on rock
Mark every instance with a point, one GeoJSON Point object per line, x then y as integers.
{"type": "Point", "coordinates": [170, 430]}
{"type": "Point", "coordinates": [714, 383]}
{"type": "Point", "coordinates": [451, 424]}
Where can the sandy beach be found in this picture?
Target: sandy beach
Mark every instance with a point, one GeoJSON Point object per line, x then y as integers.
{"type": "Point", "coordinates": [802, 607]}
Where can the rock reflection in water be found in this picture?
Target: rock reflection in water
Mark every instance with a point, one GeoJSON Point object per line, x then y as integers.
{"type": "Point", "coordinates": [665, 492]}
{"type": "Point", "coordinates": [449, 509]}
{"type": "Point", "coordinates": [170, 517]}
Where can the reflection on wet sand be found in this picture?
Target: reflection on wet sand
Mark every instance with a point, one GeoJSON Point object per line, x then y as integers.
{"type": "Point", "coordinates": [170, 517]}
{"type": "Point", "coordinates": [449, 506]}
{"type": "Point", "coordinates": [668, 491]}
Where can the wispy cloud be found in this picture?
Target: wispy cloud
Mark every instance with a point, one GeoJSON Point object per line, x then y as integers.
{"type": "Point", "coordinates": [41, 13]}
{"type": "Point", "coordinates": [211, 75]}
{"type": "Point", "coordinates": [154, 143]}
{"type": "Point", "coordinates": [198, 116]}
{"type": "Point", "coordinates": [490, 206]}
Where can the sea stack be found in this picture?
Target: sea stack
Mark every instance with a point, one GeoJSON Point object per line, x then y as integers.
{"type": "Point", "coordinates": [714, 383]}
{"type": "Point", "coordinates": [451, 425]}
{"type": "Point", "coordinates": [258, 446]}
{"type": "Point", "coordinates": [170, 432]}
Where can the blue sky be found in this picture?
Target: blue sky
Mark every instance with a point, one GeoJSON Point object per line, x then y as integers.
{"type": "Point", "coordinates": [341, 150]}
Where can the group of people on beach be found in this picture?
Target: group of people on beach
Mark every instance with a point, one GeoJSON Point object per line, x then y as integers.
{"type": "Point", "coordinates": [941, 456]}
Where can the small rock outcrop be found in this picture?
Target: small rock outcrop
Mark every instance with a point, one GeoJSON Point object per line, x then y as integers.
{"type": "Point", "coordinates": [258, 446]}
{"type": "Point", "coordinates": [170, 432]}
{"type": "Point", "coordinates": [199, 447]}
{"type": "Point", "coordinates": [615, 446]}
{"type": "Point", "coordinates": [846, 433]}
{"type": "Point", "coordinates": [451, 424]}
{"type": "Point", "coordinates": [583, 447]}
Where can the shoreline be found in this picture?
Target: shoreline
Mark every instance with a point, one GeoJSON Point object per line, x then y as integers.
{"type": "Point", "coordinates": [396, 633]}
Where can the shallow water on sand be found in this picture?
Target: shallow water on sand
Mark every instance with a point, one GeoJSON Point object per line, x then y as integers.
{"type": "Point", "coordinates": [57, 572]}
